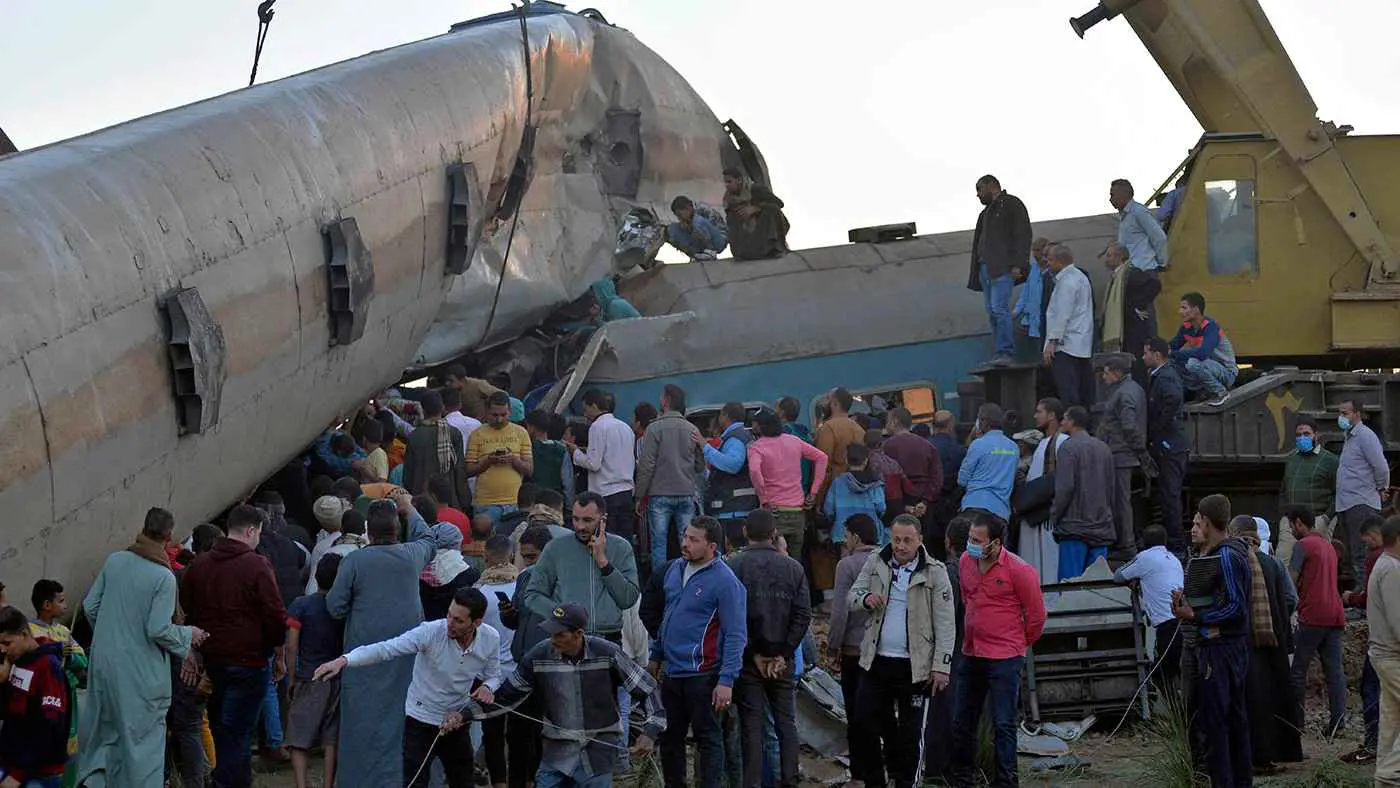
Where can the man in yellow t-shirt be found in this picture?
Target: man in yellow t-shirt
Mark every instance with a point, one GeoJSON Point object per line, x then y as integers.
{"type": "Point", "coordinates": [498, 455]}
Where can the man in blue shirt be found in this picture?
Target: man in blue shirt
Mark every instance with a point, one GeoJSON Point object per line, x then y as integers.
{"type": "Point", "coordinates": [988, 471]}
{"type": "Point", "coordinates": [1138, 230]}
{"type": "Point", "coordinates": [693, 234]}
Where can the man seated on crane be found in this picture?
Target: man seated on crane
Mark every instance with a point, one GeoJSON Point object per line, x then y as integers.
{"type": "Point", "coordinates": [1202, 352]}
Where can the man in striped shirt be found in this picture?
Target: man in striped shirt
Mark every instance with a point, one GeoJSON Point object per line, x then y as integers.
{"type": "Point", "coordinates": [576, 676]}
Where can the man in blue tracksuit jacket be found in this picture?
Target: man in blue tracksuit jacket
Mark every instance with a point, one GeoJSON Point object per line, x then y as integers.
{"type": "Point", "coordinates": [701, 644]}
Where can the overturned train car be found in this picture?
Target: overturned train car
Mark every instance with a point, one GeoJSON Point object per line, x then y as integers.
{"type": "Point", "coordinates": [191, 297]}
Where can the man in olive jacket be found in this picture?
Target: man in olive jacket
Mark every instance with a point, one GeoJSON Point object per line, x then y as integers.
{"type": "Point", "coordinates": [1001, 254]}
{"type": "Point", "coordinates": [908, 647]}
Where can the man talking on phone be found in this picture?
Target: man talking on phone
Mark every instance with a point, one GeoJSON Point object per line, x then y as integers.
{"type": "Point", "coordinates": [595, 569]}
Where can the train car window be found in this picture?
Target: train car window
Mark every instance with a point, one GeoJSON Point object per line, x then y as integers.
{"type": "Point", "coordinates": [704, 416]}
{"type": "Point", "coordinates": [1231, 242]}
{"type": "Point", "coordinates": [919, 397]}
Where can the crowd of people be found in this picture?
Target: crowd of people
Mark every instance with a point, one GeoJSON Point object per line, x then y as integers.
{"type": "Point", "coordinates": [575, 595]}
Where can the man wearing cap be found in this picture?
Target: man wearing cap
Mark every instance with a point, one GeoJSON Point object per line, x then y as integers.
{"type": "Point", "coordinates": [450, 655]}
{"type": "Point", "coordinates": [574, 674]}
{"type": "Point", "coordinates": [1123, 427]}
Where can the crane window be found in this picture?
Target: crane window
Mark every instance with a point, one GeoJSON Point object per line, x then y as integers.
{"type": "Point", "coordinates": [1231, 244]}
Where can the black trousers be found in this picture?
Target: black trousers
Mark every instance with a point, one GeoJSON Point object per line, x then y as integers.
{"type": "Point", "coordinates": [754, 693]}
{"type": "Point", "coordinates": [1074, 379]}
{"type": "Point", "coordinates": [689, 706]}
{"type": "Point", "coordinates": [895, 705]}
{"type": "Point", "coordinates": [523, 742]}
{"type": "Point", "coordinates": [1168, 654]}
{"type": "Point", "coordinates": [1171, 473]}
{"type": "Point", "coordinates": [493, 747]}
{"type": "Point", "coordinates": [859, 736]}
{"type": "Point", "coordinates": [622, 515]}
{"type": "Point", "coordinates": [453, 750]}
{"type": "Point", "coordinates": [1222, 711]}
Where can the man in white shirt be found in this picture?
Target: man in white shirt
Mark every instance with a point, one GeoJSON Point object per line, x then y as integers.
{"type": "Point", "coordinates": [1069, 331]}
{"type": "Point", "coordinates": [1037, 545]}
{"type": "Point", "coordinates": [450, 655]}
{"type": "Point", "coordinates": [1158, 573]}
{"type": "Point", "coordinates": [452, 403]}
{"type": "Point", "coordinates": [611, 461]}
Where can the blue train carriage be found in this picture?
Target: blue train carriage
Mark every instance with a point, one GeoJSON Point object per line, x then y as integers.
{"type": "Point", "coordinates": [893, 320]}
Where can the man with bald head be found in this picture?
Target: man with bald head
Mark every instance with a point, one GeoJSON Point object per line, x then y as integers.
{"type": "Point", "coordinates": [1069, 331]}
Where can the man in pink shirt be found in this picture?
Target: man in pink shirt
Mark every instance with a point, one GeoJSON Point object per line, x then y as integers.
{"type": "Point", "coordinates": [775, 468]}
{"type": "Point", "coordinates": [1005, 615]}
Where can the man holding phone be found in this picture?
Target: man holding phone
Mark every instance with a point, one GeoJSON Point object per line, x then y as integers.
{"type": "Point", "coordinates": [498, 455]}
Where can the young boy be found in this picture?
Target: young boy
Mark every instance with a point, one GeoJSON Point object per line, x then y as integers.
{"type": "Point", "coordinates": [314, 637]}
{"type": "Point", "coordinates": [50, 606]}
{"type": "Point", "coordinates": [859, 490]}
{"type": "Point", "coordinates": [376, 464]}
{"type": "Point", "coordinates": [36, 703]}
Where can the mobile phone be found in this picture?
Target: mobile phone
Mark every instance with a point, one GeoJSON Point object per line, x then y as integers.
{"type": "Point", "coordinates": [502, 598]}
{"type": "Point", "coordinates": [502, 450]}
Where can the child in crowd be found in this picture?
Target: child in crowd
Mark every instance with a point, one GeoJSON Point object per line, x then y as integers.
{"type": "Point", "coordinates": [314, 637]}
{"type": "Point", "coordinates": [376, 463]}
{"type": "Point", "coordinates": [860, 490]}
{"type": "Point", "coordinates": [36, 704]}
{"type": "Point", "coordinates": [50, 606]}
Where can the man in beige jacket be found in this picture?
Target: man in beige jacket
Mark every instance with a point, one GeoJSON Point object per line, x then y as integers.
{"type": "Point", "coordinates": [908, 649]}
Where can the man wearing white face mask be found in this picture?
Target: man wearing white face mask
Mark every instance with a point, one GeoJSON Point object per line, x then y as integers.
{"type": "Point", "coordinates": [1363, 476]}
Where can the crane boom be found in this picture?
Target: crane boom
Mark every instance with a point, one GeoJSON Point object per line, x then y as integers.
{"type": "Point", "coordinates": [1230, 68]}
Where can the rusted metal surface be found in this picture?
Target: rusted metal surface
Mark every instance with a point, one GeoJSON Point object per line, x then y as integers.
{"type": "Point", "coordinates": [230, 196]}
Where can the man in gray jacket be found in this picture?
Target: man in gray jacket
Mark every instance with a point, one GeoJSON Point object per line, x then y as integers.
{"type": "Point", "coordinates": [670, 463]}
{"type": "Point", "coordinates": [1123, 426]}
{"type": "Point", "coordinates": [1082, 512]}
{"type": "Point", "coordinates": [908, 648]}
{"type": "Point", "coordinates": [846, 635]}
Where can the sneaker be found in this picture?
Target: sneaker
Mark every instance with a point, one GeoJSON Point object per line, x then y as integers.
{"type": "Point", "coordinates": [1001, 360]}
{"type": "Point", "coordinates": [1359, 755]}
{"type": "Point", "coordinates": [1216, 400]}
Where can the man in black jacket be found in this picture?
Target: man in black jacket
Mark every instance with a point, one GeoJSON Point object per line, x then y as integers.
{"type": "Point", "coordinates": [1123, 426]}
{"type": "Point", "coordinates": [779, 610]}
{"type": "Point", "coordinates": [1130, 314]}
{"type": "Point", "coordinates": [1166, 439]}
{"type": "Point", "coordinates": [1002, 241]}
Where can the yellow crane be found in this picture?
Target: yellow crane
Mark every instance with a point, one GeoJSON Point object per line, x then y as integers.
{"type": "Point", "coordinates": [1287, 223]}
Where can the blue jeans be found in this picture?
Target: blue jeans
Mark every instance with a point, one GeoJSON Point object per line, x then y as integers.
{"type": "Point", "coordinates": [233, 711]}
{"type": "Point", "coordinates": [272, 714]}
{"type": "Point", "coordinates": [43, 782]}
{"type": "Point", "coordinates": [497, 511]}
{"type": "Point", "coordinates": [552, 778]}
{"type": "Point", "coordinates": [1076, 556]}
{"type": "Point", "coordinates": [772, 752]}
{"type": "Point", "coordinates": [996, 296]}
{"type": "Point", "coordinates": [1209, 375]}
{"type": "Point", "coordinates": [977, 678]}
{"type": "Point", "coordinates": [667, 514]}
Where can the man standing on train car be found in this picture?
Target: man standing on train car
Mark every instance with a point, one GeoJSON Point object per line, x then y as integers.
{"type": "Point", "coordinates": [1123, 426]}
{"type": "Point", "coordinates": [1363, 476]}
{"type": "Point", "coordinates": [1166, 438]}
{"type": "Point", "coordinates": [1069, 331]}
{"type": "Point", "coordinates": [1002, 241]}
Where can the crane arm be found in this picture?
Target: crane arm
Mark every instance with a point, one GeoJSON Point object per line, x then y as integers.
{"type": "Point", "coordinates": [1229, 66]}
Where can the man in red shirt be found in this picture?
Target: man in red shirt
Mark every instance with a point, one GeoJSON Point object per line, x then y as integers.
{"type": "Point", "coordinates": [1321, 621]}
{"type": "Point", "coordinates": [1005, 614]}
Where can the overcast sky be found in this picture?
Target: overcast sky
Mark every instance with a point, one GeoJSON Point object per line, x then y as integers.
{"type": "Point", "coordinates": [864, 118]}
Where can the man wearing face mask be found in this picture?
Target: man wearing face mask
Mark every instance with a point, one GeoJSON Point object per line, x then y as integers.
{"type": "Point", "coordinates": [1309, 479]}
{"type": "Point", "coordinates": [1363, 476]}
{"type": "Point", "coordinates": [1005, 615]}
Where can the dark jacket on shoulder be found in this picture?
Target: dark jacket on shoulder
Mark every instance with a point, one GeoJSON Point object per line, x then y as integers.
{"type": "Point", "coordinates": [230, 593]}
{"type": "Point", "coordinates": [1002, 239]}
{"type": "Point", "coordinates": [1165, 396]}
{"type": "Point", "coordinates": [779, 605]}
